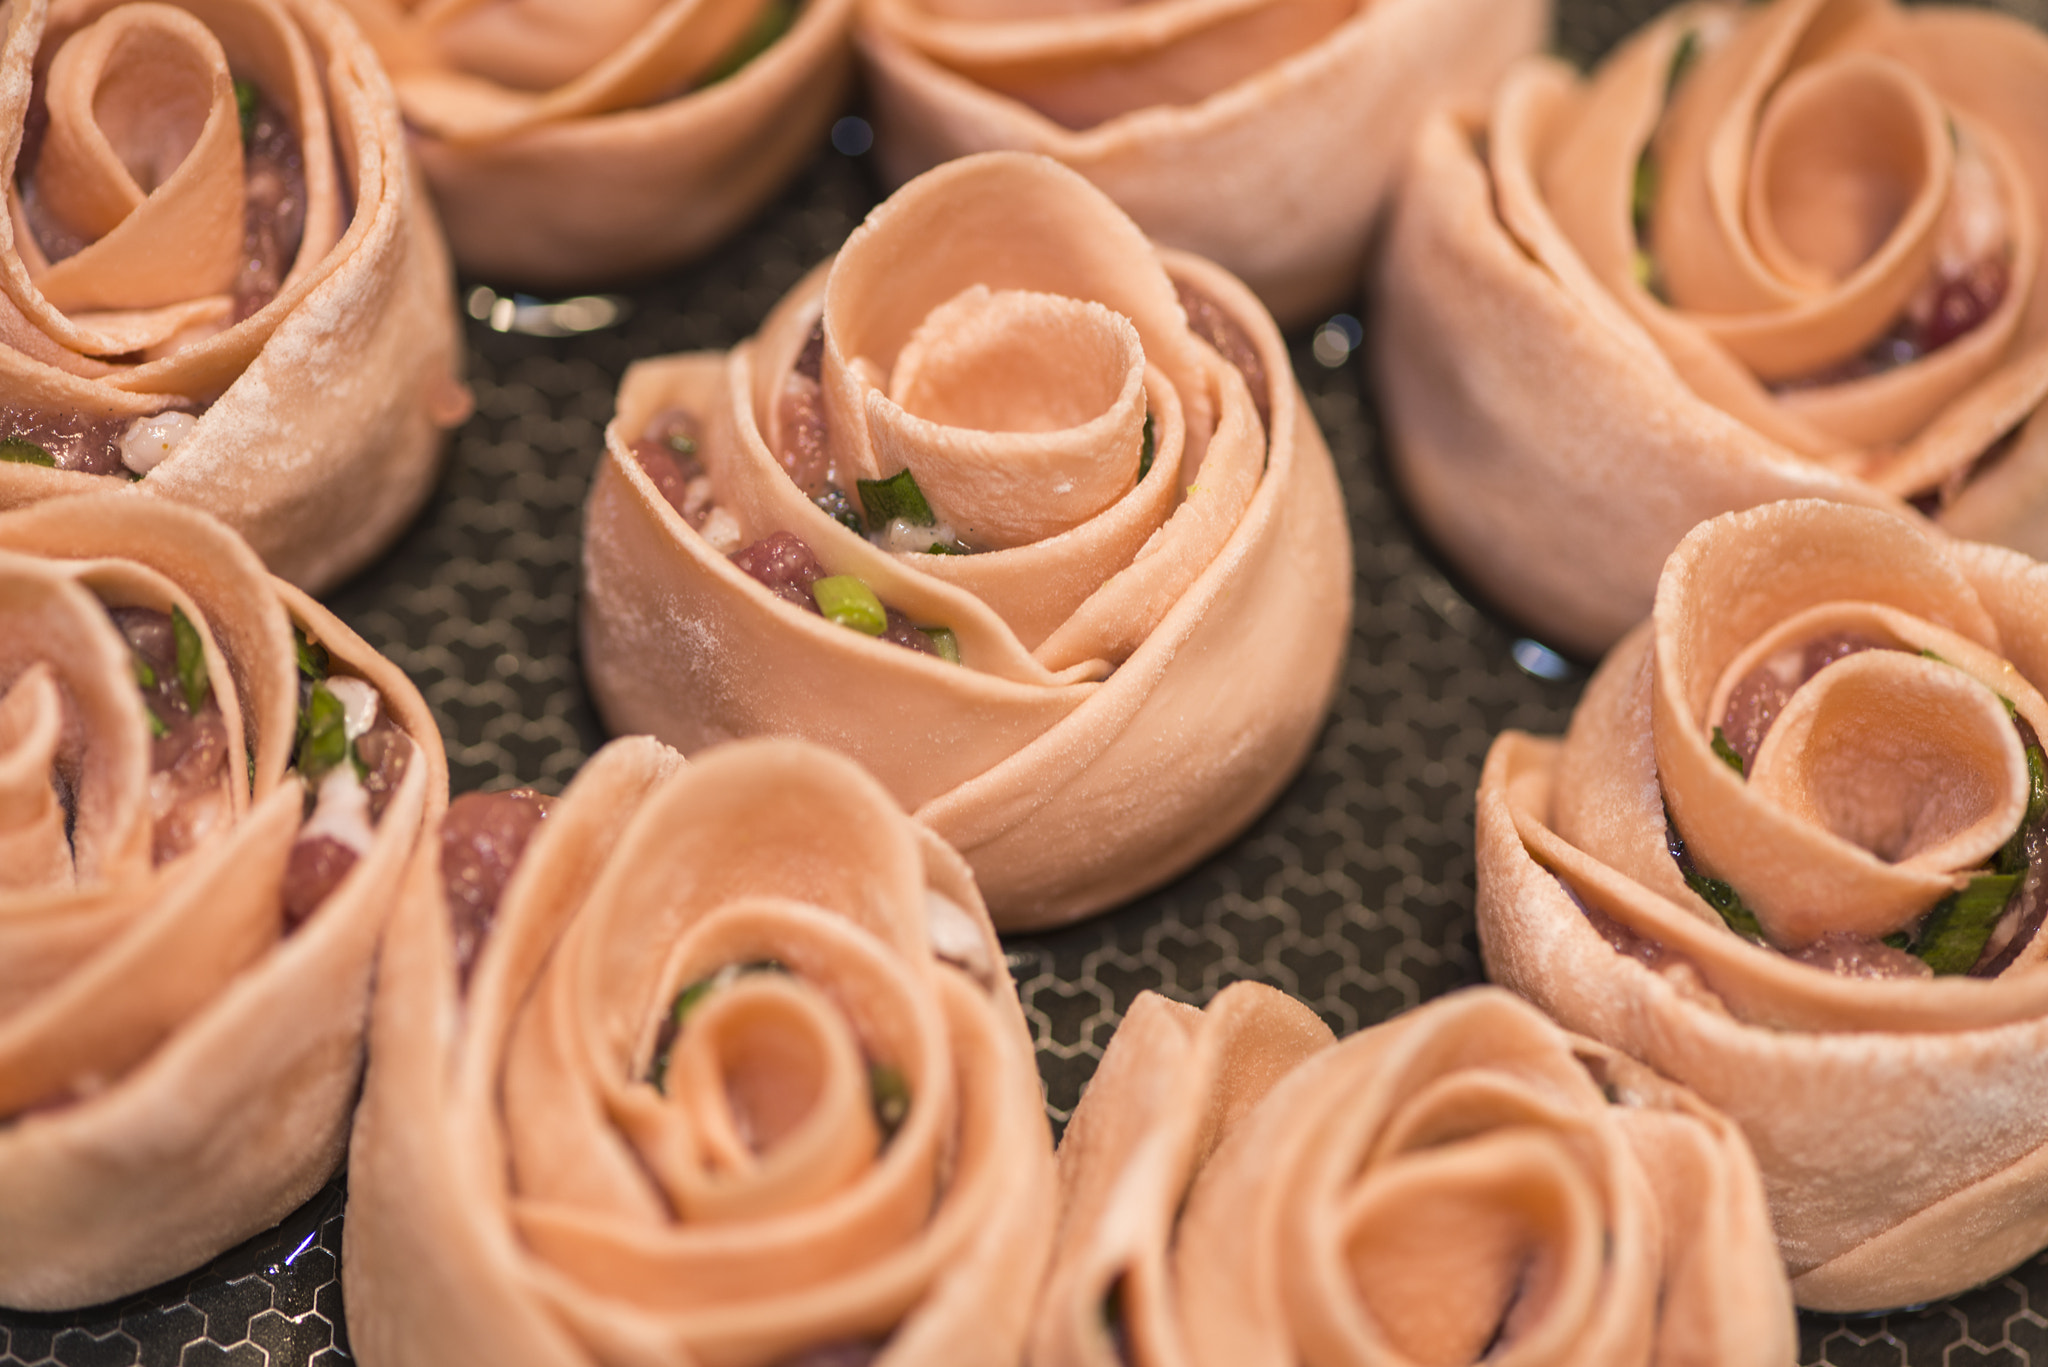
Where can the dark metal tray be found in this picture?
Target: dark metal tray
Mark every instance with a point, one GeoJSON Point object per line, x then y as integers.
{"type": "Point", "coordinates": [1354, 892]}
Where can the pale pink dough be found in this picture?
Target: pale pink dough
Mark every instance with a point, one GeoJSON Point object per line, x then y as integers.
{"type": "Point", "coordinates": [1898, 1120]}
{"type": "Point", "coordinates": [1263, 136]}
{"type": "Point", "coordinates": [570, 145]}
{"type": "Point", "coordinates": [322, 413]}
{"type": "Point", "coordinates": [522, 1192]}
{"type": "Point", "coordinates": [177, 1070]}
{"type": "Point", "coordinates": [1715, 274]}
{"type": "Point", "coordinates": [1465, 1181]}
{"type": "Point", "coordinates": [1135, 687]}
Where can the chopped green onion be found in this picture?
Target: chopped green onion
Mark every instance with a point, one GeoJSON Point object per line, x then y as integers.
{"type": "Point", "coordinates": [1642, 196]}
{"type": "Point", "coordinates": [1682, 59]}
{"type": "Point", "coordinates": [1728, 754]}
{"type": "Point", "coordinates": [846, 600]}
{"type": "Point", "coordinates": [945, 642]}
{"type": "Point", "coordinates": [323, 735]}
{"type": "Point", "coordinates": [2012, 857]}
{"type": "Point", "coordinates": [22, 451]}
{"type": "Point", "coordinates": [191, 661]}
{"type": "Point", "coordinates": [688, 1000]}
{"type": "Point", "coordinates": [313, 661]}
{"type": "Point", "coordinates": [156, 723]}
{"type": "Point", "coordinates": [1954, 934]}
{"type": "Point", "coordinates": [1927, 654]}
{"type": "Point", "coordinates": [897, 496]}
{"type": "Point", "coordinates": [889, 1094]}
{"type": "Point", "coordinates": [245, 105]}
{"type": "Point", "coordinates": [1723, 898]}
{"type": "Point", "coordinates": [145, 677]}
{"type": "Point", "coordinates": [1145, 451]}
{"type": "Point", "coordinates": [773, 21]}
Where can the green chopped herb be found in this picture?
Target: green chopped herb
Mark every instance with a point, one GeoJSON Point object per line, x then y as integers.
{"type": "Point", "coordinates": [889, 1093]}
{"type": "Point", "coordinates": [1955, 932]}
{"type": "Point", "coordinates": [22, 451]}
{"type": "Point", "coordinates": [682, 443]}
{"type": "Point", "coordinates": [687, 1001]}
{"type": "Point", "coordinates": [156, 723]}
{"type": "Point", "coordinates": [1145, 451]}
{"type": "Point", "coordinates": [1728, 754]}
{"type": "Point", "coordinates": [323, 735]}
{"type": "Point", "coordinates": [245, 105]}
{"type": "Point", "coordinates": [836, 505]}
{"type": "Point", "coordinates": [772, 22]}
{"type": "Point", "coordinates": [191, 661]}
{"type": "Point", "coordinates": [1723, 898]}
{"type": "Point", "coordinates": [145, 677]}
{"type": "Point", "coordinates": [846, 600]}
{"type": "Point", "coordinates": [1642, 197]}
{"type": "Point", "coordinates": [1682, 59]}
{"type": "Point", "coordinates": [2012, 857]}
{"type": "Point", "coordinates": [897, 496]}
{"type": "Point", "coordinates": [313, 661]}
{"type": "Point", "coordinates": [945, 642]}
{"type": "Point", "coordinates": [944, 548]}
{"type": "Point", "coordinates": [1926, 654]}
{"type": "Point", "coordinates": [1899, 939]}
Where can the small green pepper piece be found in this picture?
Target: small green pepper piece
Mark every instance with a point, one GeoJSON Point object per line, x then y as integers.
{"type": "Point", "coordinates": [846, 600]}
{"type": "Point", "coordinates": [945, 642]}
{"type": "Point", "coordinates": [897, 496]}
{"type": "Point", "coordinates": [245, 105]}
{"type": "Point", "coordinates": [313, 661]}
{"type": "Point", "coordinates": [22, 451]}
{"type": "Point", "coordinates": [323, 735]}
{"type": "Point", "coordinates": [1728, 754]}
{"type": "Point", "coordinates": [191, 661]}
{"type": "Point", "coordinates": [889, 1093]}
{"type": "Point", "coordinates": [1955, 932]}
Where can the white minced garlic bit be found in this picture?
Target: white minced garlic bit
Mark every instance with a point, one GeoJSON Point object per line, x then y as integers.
{"type": "Point", "coordinates": [149, 441]}
{"type": "Point", "coordinates": [341, 810]}
{"type": "Point", "coordinates": [902, 535]}
{"type": "Point", "coordinates": [721, 530]}
{"type": "Point", "coordinates": [956, 938]}
{"type": "Point", "coordinates": [358, 704]}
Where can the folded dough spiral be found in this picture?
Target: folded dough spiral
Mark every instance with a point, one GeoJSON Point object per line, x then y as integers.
{"type": "Point", "coordinates": [1463, 1182]}
{"type": "Point", "coordinates": [215, 277]}
{"type": "Point", "coordinates": [1790, 853]}
{"type": "Point", "coordinates": [1763, 252]}
{"type": "Point", "coordinates": [737, 1077]}
{"type": "Point", "coordinates": [195, 866]}
{"type": "Point", "coordinates": [1261, 134]}
{"type": "Point", "coordinates": [1098, 512]}
{"type": "Point", "coordinates": [571, 144]}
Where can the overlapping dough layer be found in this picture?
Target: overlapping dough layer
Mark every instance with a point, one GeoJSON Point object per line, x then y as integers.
{"type": "Point", "coordinates": [1779, 251]}
{"type": "Point", "coordinates": [1896, 1118]}
{"type": "Point", "coordinates": [570, 144]}
{"type": "Point", "coordinates": [1260, 135]}
{"type": "Point", "coordinates": [1137, 677]}
{"type": "Point", "coordinates": [840, 1150]}
{"type": "Point", "coordinates": [209, 214]}
{"type": "Point", "coordinates": [1466, 1181]}
{"type": "Point", "coordinates": [181, 1021]}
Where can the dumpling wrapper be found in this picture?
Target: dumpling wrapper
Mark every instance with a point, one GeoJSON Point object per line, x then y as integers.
{"type": "Point", "coordinates": [520, 1189]}
{"type": "Point", "coordinates": [1136, 685]}
{"type": "Point", "coordinates": [321, 414]}
{"type": "Point", "coordinates": [1894, 1118]}
{"type": "Point", "coordinates": [1262, 136]}
{"type": "Point", "coordinates": [1462, 1181]}
{"type": "Point", "coordinates": [1557, 426]}
{"type": "Point", "coordinates": [177, 1072]}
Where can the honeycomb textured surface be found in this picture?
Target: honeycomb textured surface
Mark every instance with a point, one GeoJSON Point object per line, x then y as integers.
{"type": "Point", "coordinates": [1354, 892]}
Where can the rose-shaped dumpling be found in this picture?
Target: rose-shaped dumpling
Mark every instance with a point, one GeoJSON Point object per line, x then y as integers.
{"type": "Point", "coordinates": [1464, 1182]}
{"type": "Point", "coordinates": [716, 1063]}
{"type": "Point", "coordinates": [1101, 599]}
{"type": "Point", "coordinates": [570, 144]}
{"type": "Point", "coordinates": [215, 278]}
{"type": "Point", "coordinates": [209, 793]}
{"type": "Point", "coordinates": [1777, 251]}
{"type": "Point", "coordinates": [1261, 134]}
{"type": "Point", "coordinates": [1793, 852]}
